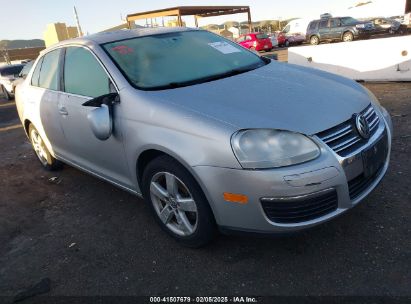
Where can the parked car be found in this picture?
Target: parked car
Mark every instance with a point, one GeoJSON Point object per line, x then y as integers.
{"type": "Point", "coordinates": [8, 74]}
{"type": "Point", "coordinates": [256, 42]}
{"type": "Point", "coordinates": [280, 39]}
{"type": "Point", "coordinates": [187, 120]}
{"type": "Point", "coordinates": [295, 39]}
{"type": "Point", "coordinates": [296, 30]}
{"type": "Point", "coordinates": [22, 75]}
{"type": "Point", "coordinates": [338, 29]}
{"type": "Point", "coordinates": [388, 26]}
{"type": "Point", "coordinates": [403, 19]}
{"type": "Point", "coordinates": [274, 40]}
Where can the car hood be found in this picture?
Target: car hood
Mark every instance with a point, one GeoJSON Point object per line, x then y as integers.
{"type": "Point", "coordinates": [278, 95]}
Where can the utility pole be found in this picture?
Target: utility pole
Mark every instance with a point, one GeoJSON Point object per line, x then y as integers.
{"type": "Point", "coordinates": [80, 32]}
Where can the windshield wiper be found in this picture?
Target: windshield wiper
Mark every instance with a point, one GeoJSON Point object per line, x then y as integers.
{"type": "Point", "coordinates": [174, 85]}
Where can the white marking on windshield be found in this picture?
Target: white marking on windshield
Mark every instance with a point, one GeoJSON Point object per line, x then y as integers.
{"type": "Point", "coordinates": [224, 47]}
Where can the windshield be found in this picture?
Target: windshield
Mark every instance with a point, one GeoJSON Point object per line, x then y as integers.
{"type": "Point", "coordinates": [179, 59]}
{"type": "Point", "coordinates": [286, 29]}
{"type": "Point", "coordinates": [349, 21]}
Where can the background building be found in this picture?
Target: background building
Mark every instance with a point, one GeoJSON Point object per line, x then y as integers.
{"type": "Point", "coordinates": [57, 32]}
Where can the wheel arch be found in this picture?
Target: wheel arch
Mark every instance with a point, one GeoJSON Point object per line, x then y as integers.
{"type": "Point", "coordinates": [315, 35]}
{"type": "Point", "coordinates": [26, 125]}
{"type": "Point", "coordinates": [347, 31]}
{"type": "Point", "coordinates": [150, 153]}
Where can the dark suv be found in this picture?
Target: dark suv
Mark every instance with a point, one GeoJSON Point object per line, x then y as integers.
{"type": "Point", "coordinates": [338, 28]}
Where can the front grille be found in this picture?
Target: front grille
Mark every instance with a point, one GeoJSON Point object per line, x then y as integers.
{"type": "Point", "coordinates": [300, 209]}
{"type": "Point", "coordinates": [344, 138]}
{"type": "Point", "coordinates": [359, 184]}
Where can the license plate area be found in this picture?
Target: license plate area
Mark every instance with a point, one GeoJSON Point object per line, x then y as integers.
{"type": "Point", "coordinates": [374, 157]}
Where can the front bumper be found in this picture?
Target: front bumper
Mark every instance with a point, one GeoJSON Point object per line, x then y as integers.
{"type": "Point", "coordinates": [329, 173]}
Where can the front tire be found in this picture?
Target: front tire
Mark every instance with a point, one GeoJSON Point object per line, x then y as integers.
{"type": "Point", "coordinates": [348, 37]}
{"type": "Point", "coordinates": [46, 159]}
{"type": "Point", "coordinates": [178, 203]}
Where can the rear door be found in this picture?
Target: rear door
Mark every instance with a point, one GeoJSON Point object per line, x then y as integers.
{"type": "Point", "coordinates": [45, 87]}
{"type": "Point", "coordinates": [324, 29]}
{"type": "Point", "coordinates": [85, 78]}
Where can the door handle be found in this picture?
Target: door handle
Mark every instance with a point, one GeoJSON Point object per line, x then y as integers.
{"type": "Point", "coordinates": [63, 111]}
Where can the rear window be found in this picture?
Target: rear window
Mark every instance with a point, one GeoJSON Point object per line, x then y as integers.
{"type": "Point", "coordinates": [262, 36]}
{"type": "Point", "coordinates": [313, 25]}
{"type": "Point", "coordinates": [11, 71]}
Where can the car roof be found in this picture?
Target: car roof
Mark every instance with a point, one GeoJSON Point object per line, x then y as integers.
{"type": "Point", "coordinates": [106, 37]}
{"type": "Point", "coordinates": [331, 18]}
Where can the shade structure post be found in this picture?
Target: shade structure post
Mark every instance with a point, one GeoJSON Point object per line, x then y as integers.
{"type": "Point", "coordinates": [250, 25]}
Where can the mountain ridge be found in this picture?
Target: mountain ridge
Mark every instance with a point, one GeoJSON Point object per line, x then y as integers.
{"type": "Point", "coordinates": [21, 44]}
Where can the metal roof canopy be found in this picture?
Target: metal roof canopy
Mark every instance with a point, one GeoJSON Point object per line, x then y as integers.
{"type": "Point", "coordinates": [196, 11]}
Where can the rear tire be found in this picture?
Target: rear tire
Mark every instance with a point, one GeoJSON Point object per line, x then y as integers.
{"type": "Point", "coordinates": [46, 159]}
{"type": "Point", "coordinates": [314, 40]}
{"type": "Point", "coordinates": [178, 203]}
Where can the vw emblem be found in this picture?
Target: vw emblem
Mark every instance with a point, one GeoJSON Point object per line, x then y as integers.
{"type": "Point", "coordinates": [362, 126]}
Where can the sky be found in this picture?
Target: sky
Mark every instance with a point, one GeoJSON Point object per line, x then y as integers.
{"type": "Point", "coordinates": [29, 18]}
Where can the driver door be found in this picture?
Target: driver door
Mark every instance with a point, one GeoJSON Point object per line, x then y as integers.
{"type": "Point", "coordinates": [85, 78]}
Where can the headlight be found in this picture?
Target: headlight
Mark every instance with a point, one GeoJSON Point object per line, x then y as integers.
{"type": "Point", "coordinates": [360, 26]}
{"type": "Point", "coordinates": [266, 148]}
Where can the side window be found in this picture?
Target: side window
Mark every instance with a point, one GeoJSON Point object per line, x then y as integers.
{"type": "Point", "coordinates": [36, 73]}
{"type": "Point", "coordinates": [49, 74]}
{"type": "Point", "coordinates": [323, 24]}
{"type": "Point", "coordinates": [83, 74]}
{"type": "Point", "coordinates": [248, 37]}
{"type": "Point", "coordinates": [335, 23]}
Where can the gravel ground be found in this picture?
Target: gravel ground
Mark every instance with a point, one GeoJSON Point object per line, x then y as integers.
{"type": "Point", "coordinates": [90, 238]}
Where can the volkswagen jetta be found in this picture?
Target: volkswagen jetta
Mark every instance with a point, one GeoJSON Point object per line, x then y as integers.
{"type": "Point", "coordinates": [210, 134]}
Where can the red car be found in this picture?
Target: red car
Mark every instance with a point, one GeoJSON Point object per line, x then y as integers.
{"type": "Point", "coordinates": [256, 41]}
{"type": "Point", "coordinates": [282, 40]}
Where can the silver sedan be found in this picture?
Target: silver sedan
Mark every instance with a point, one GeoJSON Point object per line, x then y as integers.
{"type": "Point", "coordinates": [213, 136]}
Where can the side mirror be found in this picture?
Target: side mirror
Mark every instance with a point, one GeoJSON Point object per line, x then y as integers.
{"type": "Point", "coordinates": [100, 119]}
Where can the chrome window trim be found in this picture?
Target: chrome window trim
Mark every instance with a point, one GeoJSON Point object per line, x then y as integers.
{"type": "Point", "coordinates": [95, 56]}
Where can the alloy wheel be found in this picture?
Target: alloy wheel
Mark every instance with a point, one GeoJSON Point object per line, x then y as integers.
{"type": "Point", "coordinates": [174, 204]}
{"type": "Point", "coordinates": [39, 147]}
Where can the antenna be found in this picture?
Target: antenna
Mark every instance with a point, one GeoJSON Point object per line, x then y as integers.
{"type": "Point", "coordinates": [80, 32]}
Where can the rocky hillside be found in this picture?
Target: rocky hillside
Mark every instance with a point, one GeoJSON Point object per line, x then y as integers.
{"type": "Point", "coordinates": [21, 44]}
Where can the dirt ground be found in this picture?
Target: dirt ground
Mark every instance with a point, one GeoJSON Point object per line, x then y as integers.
{"type": "Point", "coordinates": [89, 238]}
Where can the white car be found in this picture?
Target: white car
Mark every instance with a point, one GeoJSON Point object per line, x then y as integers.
{"type": "Point", "coordinates": [8, 74]}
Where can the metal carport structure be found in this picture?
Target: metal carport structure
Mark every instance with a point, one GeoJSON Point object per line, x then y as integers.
{"type": "Point", "coordinates": [196, 11]}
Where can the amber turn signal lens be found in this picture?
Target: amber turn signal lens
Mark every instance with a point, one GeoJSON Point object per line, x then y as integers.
{"type": "Point", "coordinates": [236, 198]}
